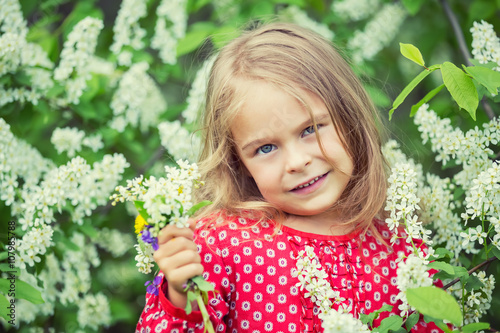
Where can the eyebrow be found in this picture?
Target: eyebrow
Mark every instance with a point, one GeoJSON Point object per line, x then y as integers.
{"type": "Point", "coordinates": [260, 141]}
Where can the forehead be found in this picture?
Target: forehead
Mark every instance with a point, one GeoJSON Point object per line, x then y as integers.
{"type": "Point", "coordinates": [269, 111]}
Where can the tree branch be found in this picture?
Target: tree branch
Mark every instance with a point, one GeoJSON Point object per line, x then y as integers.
{"type": "Point", "coordinates": [457, 31]}
{"type": "Point", "coordinates": [463, 48]}
{"type": "Point", "coordinates": [472, 270]}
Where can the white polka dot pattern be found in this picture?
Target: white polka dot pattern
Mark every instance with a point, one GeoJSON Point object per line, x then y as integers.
{"type": "Point", "coordinates": [250, 266]}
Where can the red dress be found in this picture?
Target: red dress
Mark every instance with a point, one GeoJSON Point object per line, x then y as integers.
{"type": "Point", "coordinates": [250, 266]}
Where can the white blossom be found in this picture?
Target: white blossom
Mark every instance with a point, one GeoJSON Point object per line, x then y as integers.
{"type": "Point", "coordinates": [94, 311]}
{"type": "Point", "coordinates": [170, 27]}
{"type": "Point", "coordinates": [137, 101]}
{"type": "Point", "coordinates": [339, 322]}
{"type": "Point", "coordinates": [68, 139]}
{"type": "Point", "coordinates": [411, 273]}
{"type": "Point", "coordinates": [300, 17]}
{"type": "Point", "coordinates": [127, 31]}
{"type": "Point", "coordinates": [354, 10]}
{"type": "Point", "coordinates": [77, 53]}
{"type": "Point", "coordinates": [485, 43]}
{"type": "Point", "coordinates": [377, 33]}
{"type": "Point", "coordinates": [178, 141]}
{"type": "Point", "coordinates": [196, 96]}
{"type": "Point", "coordinates": [144, 257]}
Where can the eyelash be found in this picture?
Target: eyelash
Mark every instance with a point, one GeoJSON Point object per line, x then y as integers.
{"type": "Point", "coordinates": [310, 128]}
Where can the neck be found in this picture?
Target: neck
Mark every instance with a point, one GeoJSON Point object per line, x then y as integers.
{"type": "Point", "coordinates": [316, 225]}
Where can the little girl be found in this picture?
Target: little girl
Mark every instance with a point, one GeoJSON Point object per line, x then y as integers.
{"type": "Point", "coordinates": [291, 159]}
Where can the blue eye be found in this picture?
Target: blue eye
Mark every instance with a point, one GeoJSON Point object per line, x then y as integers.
{"type": "Point", "coordinates": [265, 149]}
{"type": "Point", "coordinates": [309, 130]}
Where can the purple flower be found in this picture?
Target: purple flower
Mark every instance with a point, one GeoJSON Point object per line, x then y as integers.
{"type": "Point", "coordinates": [154, 286]}
{"type": "Point", "coordinates": [148, 238]}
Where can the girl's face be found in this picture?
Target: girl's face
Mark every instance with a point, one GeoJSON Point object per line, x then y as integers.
{"type": "Point", "coordinates": [275, 140]}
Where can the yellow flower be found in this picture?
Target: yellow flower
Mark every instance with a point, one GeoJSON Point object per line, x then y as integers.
{"type": "Point", "coordinates": [140, 222]}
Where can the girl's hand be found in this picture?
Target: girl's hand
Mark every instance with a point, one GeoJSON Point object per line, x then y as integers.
{"type": "Point", "coordinates": [178, 258]}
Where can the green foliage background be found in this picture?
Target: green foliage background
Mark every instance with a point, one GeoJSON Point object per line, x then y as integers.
{"type": "Point", "coordinates": [426, 26]}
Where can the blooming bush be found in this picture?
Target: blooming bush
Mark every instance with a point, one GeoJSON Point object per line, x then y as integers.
{"type": "Point", "coordinates": [96, 93]}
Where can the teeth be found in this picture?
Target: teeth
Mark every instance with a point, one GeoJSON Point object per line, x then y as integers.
{"type": "Point", "coordinates": [310, 183]}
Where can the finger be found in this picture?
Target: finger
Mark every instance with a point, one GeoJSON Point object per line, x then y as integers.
{"type": "Point", "coordinates": [172, 231]}
{"type": "Point", "coordinates": [180, 276]}
{"type": "Point", "coordinates": [169, 264]}
{"type": "Point", "coordinates": [175, 245]}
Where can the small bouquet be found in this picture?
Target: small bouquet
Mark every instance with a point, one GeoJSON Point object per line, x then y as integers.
{"type": "Point", "coordinates": [160, 202]}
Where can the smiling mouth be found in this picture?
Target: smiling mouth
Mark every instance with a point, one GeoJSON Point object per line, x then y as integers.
{"type": "Point", "coordinates": [310, 182]}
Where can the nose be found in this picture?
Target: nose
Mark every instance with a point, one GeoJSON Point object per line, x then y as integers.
{"type": "Point", "coordinates": [297, 160]}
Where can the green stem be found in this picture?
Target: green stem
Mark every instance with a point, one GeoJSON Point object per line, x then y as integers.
{"type": "Point", "coordinates": [482, 224]}
{"type": "Point", "coordinates": [204, 313]}
{"type": "Point", "coordinates": [463, 301]}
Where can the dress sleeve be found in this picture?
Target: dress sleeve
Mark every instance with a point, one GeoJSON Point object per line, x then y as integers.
{"type": "Point", "coordinates": [160, 315]}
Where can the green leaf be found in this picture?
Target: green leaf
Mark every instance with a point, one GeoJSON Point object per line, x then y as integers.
{"type": "Point", "coordinates": [412, 320]}
{"type": "Point", "coordinates": [442, 252]}
{"type": "Point", "coordinates": [194, 38]}
{"type": "Point", "coordinates": [139, 205]}
{"type": "Point", "coordinates": [408, 89]}
{"type": "Point", "coordinates": [59, 238]}
{"type": "Point", "coordinates": [199, 205]}
{"type": "Point", "coordinates": [412, 52]}
{"type": "Point", "coordinates": [5, 307]}
{"type": "Point", "coordinates": [89, 230]}
{"type": "Point", "coordinates": [441, 266]}
{"type": "Point", "coordinates": [460, 87]}
{"type": "Point", "coordinates": [202, 284]}
{"type": "Point", "coordinates": [439, 323]}
{"type": "Point", "coordinates": [191, 297]}
{"type": "Point", "coordinates": [426, 99]}
{"type": "Point", "coordinates": [413, 6]}
{"type": "Point", "coordinates": [486, 77]}
{"type": "Point", "coordinates": [369, 318]}
{"type": "Point", "coordinates": [435, 302]}
{"type": "Point", "coordinates": [461, 273]}
{"type": "Point", "coordinates": [496, 252]}
{"type": "Point", "coordinates": [473, 327]}
{"type": "Point", "coordinates": [392, 323]}
{"type": "Point", "coordinates": [22, 290]}
{"type": "Point", "coordinates": [473, 283]}
{"type": "Point", "coordinates": [223, 35]}
{"type": "Point", "coordinates": [9, 268]}
{"type": "Point", "coordinates": [122, 311]}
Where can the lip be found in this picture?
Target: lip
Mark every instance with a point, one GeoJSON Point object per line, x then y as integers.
{"type": "Point", "coordinates": [312, 187]}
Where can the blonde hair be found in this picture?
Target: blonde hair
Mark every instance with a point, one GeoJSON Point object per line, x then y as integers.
{"type": "Point", "coordinates": [295, 59]}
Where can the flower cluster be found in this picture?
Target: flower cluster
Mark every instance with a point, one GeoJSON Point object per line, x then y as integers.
{"type": "Point", "coordinates": [478, 301]}
{"type": "Point", "coordinates": [178, 141]}
{"type": "Point", "coordinates": [77, 52]}
{"type": "Point", "coordinates": [93, 311]}
{"type": "Point", "coordinates": [339, 322]}
{"type": "Point", "coordinates": [70, 140]}
{"type": "Point", "coordinates": [170, 27]}
{"type": "Point", "coordinates": [196, 96]}
{"type": "Point", "coordinates": [144, 257]}
{"type": "Point", "coordinates": [127, 31]}
{"type": "Point", "coordinates": [34, 244]}
{"type": "Point", "coordinates": [313, 278]}
{"type": "Point", "coordinates": [137, 100]}
{"type": "Point", "coordinates": [411, 273]}
{"type": "Point", "coordinates": [300, 17]}
{"type": "Point", "coordinates": [354, 10]}
{"type": "Point", "coordinates": [160, 201]}
{"type": "Point", "coordinates": [377, 33]}
{"type": "Point", "coordinates": [402, 202]}
{"type": "Point", "coordinates": [485, 43]}
{"type": "Point", "coordinates": [471, 150]}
